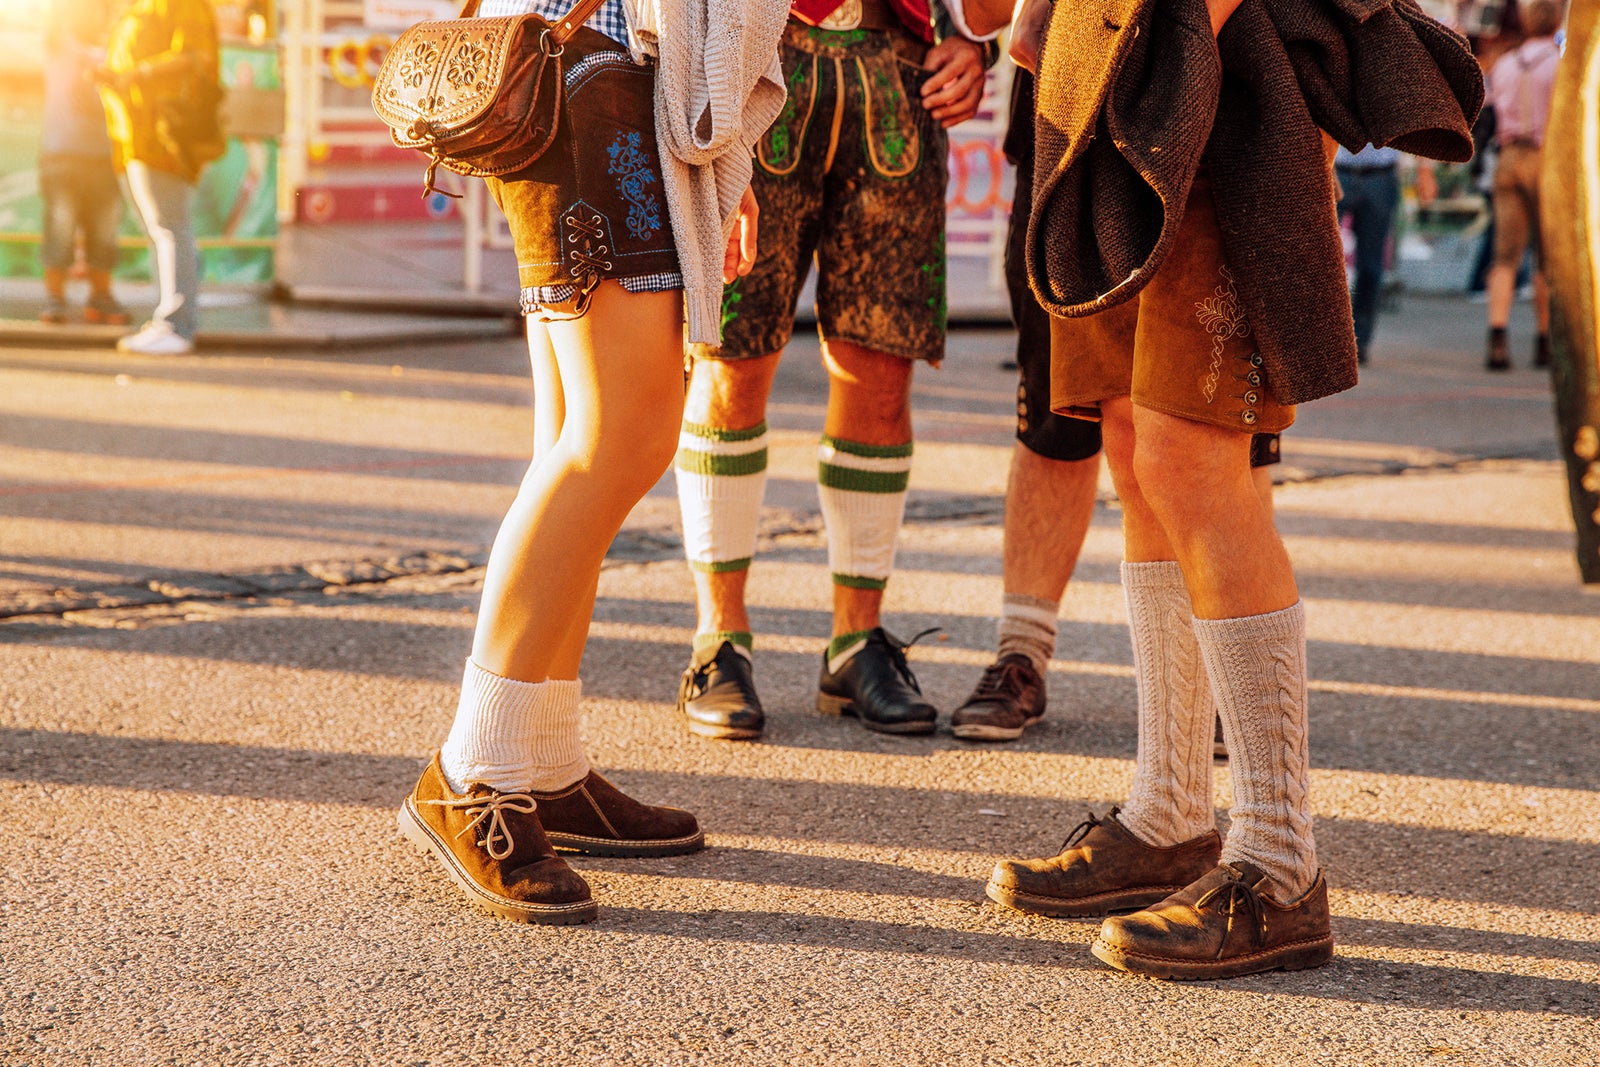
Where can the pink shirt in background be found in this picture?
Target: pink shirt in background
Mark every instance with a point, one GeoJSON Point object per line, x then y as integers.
{"type": "Point", "coordinates": [1520, 87]}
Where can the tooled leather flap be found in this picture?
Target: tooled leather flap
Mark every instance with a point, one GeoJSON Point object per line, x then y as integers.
{"type": "Point", "coordinates": [444, 74]}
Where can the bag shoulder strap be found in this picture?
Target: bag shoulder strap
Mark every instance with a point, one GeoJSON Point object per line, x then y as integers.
{"type": "Point", "coordinates": [563, 29]}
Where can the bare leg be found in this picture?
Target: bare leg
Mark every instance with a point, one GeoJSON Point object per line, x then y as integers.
{"type": "Point", "coordinates": [549, 414]}
{"type": "Point", "coordinates": [1502, 292]}
{"type": "Point", "coordinates": [621, 376]}
{"type": "Point", "coordinates": [1197, 502]}
{"type": "Point", "coordinates": [1049, 505]}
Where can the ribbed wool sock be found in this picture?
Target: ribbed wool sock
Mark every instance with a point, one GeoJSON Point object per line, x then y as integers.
{"type": "Point", "coordinates": [1257, 666]}
{"type": "Point", "coordinates": [862, 489]}
{"type": "Point", "coordinates": [1028, 625]}
{"type": "Point", "coordinates": [514, 736]}
{"type": "Point", "coordinates": [721, 476]}
{"type": "Point", "coordinates": [1170, 801]}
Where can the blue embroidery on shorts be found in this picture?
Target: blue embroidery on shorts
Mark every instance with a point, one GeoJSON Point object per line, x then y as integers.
{"type": "Point", "coordinates": [634, 179]}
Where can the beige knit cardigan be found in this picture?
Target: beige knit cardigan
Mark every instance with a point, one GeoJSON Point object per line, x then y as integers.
{"type": "Point", "coordinates": [719, 85]}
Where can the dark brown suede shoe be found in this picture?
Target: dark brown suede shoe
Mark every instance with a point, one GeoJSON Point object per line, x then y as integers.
{"type": "Point", "coordinates": [594, 817]}
{"type": "Point", "coordinates": [1222, 926]}
{"type": "Point", "coordinates": [1009, 698]}
{"type": "Point", "coordinates": [492, 846]}
{"type": "Point", "coordinates": [1101, 868]}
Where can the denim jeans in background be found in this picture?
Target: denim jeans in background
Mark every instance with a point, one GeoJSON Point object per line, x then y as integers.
{"type": "Point", "coordinates": [1371, 196]}
{"type": "Point", "coordinates": [80, 194]}
{"type": "Point", "coordinates": [165, 205]}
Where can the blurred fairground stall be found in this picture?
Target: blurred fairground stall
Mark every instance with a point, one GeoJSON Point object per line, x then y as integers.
{"type": "Point", "coordinates": [236, 206]}
{"type": "Point", "coordinates": [307, 150]}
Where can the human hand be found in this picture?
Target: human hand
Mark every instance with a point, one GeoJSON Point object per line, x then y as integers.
{"type": "Point", "coordinates": [740, 256]}
{"type": "Point", "coordinates": [955, 87]}
{"type": "Point", "coordinates": [1027, 33]}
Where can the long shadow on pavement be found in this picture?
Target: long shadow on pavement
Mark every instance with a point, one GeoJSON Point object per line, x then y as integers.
{"type": "Point", "coordinates": [1360, 855]}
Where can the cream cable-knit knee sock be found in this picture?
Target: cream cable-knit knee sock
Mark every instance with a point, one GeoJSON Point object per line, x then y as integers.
{"type": "Point", "coordinates": [1170, 802]}
{"type": "Point", "coordinates": [1257, 666]}
{"type": "Point", "coordinates": [514, 736]}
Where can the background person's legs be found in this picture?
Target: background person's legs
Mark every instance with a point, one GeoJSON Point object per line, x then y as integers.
{"type": "Point", "coordinates": [1370, 199]}
{"type": "Point", "coordinates": [163, 201]}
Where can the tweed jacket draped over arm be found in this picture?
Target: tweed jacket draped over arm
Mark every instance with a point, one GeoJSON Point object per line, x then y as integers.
{"type": "Point", "coordinates": [1133, 94]}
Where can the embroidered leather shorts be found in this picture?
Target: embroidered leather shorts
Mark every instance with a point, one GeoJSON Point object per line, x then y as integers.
{"type": "Point", "coordinates": [592, 206]}
{"type": "Point", "coordinates": [1181, 346]}
{"type": "Point", "coordinates": [853, 171]}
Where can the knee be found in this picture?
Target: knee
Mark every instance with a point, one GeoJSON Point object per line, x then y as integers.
{"type": "Point", "coordinates": [1186, 468]}
{"type": "Point", "coordinates": [637, 455]}
{"type": "Point", "coordinates": [730, 393]}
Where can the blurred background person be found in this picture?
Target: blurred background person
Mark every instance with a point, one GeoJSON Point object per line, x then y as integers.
{"type": "Point", "coordinates": [161, 92]}
{"type": "Point", "coordinates": [1519, 87]}
{"type": "Point", "coordinates": [77, 181]}
{"type": "Point", "coordinates": [1369, 195]}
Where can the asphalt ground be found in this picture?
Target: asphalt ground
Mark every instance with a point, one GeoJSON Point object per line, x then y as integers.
{"type": "Point", "coordinates": [236, 591]}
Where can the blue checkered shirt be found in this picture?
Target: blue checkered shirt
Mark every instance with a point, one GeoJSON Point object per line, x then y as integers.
{"type": "Point", "coordinates": [609, 20]}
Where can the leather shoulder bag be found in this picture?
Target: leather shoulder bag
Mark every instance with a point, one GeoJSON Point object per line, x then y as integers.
{"type": "Point", "coordinates": [479, 96]}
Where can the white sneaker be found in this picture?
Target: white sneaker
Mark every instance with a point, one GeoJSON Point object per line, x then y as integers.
{"type": "Point", "coordinates": [156, 339]}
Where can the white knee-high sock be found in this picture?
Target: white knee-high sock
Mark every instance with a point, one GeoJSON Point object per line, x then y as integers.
{"type": "Point", "coordinates": [862, 489]}
{"type": "Point", "coordinates": [1257, 665]}
{"type": "Point", "coordinates": [1171, 797]}
{"type": "Point", "coordinates": [514, 736]}
{"type": "Point", "coordinates": [721, 476]}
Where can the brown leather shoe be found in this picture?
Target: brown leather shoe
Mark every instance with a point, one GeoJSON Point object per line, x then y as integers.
{"type": "Point", "coordinates": [1010, 697]}
{"type": "Point", "coordinates": [1101, 868]}
{"type": "Point", "coordinates": [1221, 926]}
{"type": "Point", "coordinates": [492, 846]}
{"type": "Point", "coordinates": [594, 817]}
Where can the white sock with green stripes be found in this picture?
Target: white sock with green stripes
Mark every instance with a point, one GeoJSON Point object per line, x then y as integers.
{"type": "Point", "coordinates": [721, 477]}
{"type": "Point", "coordinates": [863, 493]}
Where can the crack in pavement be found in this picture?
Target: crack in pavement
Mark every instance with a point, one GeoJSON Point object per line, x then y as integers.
{"type": "Point", "coordinates": [158, 595]}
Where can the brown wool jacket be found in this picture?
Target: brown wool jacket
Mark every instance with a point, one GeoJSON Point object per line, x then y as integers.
{"type": "Point", "coordinates": [1132, 94]}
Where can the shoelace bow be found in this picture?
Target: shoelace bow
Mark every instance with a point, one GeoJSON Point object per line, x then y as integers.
{"type": "Point", "coordinates": [1237, 893]}
{"type": "Point", "coordinates": [497, 840]}
{"type": "Point", "coordinates": [1078, 833]}
{"type": "Point", "coordinates": [897, 653]}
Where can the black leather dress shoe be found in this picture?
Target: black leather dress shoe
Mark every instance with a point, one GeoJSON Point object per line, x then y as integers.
{"type": "Point", "coordinates": [718, 696]}
{"type": "Point", "coordinates": [876, 686]}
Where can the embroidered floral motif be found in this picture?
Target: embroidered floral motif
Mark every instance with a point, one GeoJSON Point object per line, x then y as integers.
{"type": "Point", "coordinates": [779, 134]}
{"type": "Point", "coordinates": [634, 178]}
{"type": "Point", "coordinates": [895, 141]}
{"type": "Point", "coordinates": [933, 274]}
{"type": "Point", "coordinates": [730, 302]}
{"type": "Point", "coordinates": [1223, 319]}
